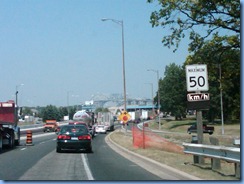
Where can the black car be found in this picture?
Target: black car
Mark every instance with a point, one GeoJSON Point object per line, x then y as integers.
{"type": "Point", "coordinates": [74, 137]}
{"type": "Point", "coordinates": [205, 128]}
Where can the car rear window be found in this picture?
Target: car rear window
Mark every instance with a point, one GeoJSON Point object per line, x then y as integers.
{"type": "Point", "coordinates": [50, 123]}
{"type": "Point", "coordinates": [74, 129]}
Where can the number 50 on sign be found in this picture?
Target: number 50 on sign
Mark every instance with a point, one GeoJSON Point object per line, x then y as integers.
{"type": "Point", "coordinates": [196, 78]}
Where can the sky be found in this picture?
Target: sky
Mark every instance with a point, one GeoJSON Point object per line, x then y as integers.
{"type": "Point", "coordinates": [52, 51]}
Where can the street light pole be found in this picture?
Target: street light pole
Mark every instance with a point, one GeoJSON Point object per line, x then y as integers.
{"type": "Point", "coordinates": [16, 93]}
{"type": "Point", "coordinates": [16, 102]}
{"type": "Point", "coordinates": [120, 22]}
{"type": "Point", "coordinates": [156, 71]}
{"type": "Point", "coordinates": [221, 101]}
{"type": "Point", "coordinates": [221, 92]}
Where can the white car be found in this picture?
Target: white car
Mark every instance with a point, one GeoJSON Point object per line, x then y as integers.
{"type": "Point", "coordinates": [101, 129]}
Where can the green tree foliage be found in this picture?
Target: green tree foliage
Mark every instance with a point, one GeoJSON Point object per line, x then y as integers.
{"type": "Point", "coordinates": [217, 55]}
{"type": "Point", "coordinates": [72, 111]}
{"type": "Point", "coordinates": [26, 111]}
{"type": "Point", "coordinates": [63, 111]}
{"type": "Point", "coordinates": [101, 109]}
{"type": "Point", "coordinates": [201, 19]}
{"type": "Point", "coordinates": [173, 91]}
{"type": "Point", "coordinates": [51, 112]}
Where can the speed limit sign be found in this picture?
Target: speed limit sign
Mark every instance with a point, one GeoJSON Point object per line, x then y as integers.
{"type": "Point", "coordinates": [196, 78]}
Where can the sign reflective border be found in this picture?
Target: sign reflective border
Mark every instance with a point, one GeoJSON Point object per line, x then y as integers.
{"type": "Point", "coordinates": [124, 116]}
{"type": "Point", "coordinates": [196, 77]}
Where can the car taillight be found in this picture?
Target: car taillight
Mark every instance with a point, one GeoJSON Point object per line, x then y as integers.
{"type": "Point", "coordinates": [84, 137]}
{"type": "Point", "coordinates": [64, 137]}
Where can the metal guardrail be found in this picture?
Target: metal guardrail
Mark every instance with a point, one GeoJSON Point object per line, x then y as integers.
{"type": "Point", "coordinates": [231, 154]}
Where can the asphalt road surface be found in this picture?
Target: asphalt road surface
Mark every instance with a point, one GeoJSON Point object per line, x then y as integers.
{"type": "Point", "coordinates": [41, 162]}
{"type": "Point", "coordinates": [105, 164]}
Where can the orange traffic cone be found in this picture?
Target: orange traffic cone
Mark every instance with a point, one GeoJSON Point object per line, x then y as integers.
{"type": "Point", "coordinates": [29, 138]}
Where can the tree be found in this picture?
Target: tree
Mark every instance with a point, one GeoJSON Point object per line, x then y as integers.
{"type": "Point", "coordinates": [26, 111]}
{"type": "Point", "coordinates": [50, 112]}
{"type": "Point", "coordinates": [173, 91]}
{"type": "Point", "coordinates": [72, 111]}
{"type": "Point", "coordinates": [208, 17]}
{"type": "Point", "coordinates": [101, 109]}
{"type": "Point", "coordinates": [63, 111]}
{"type": "Point", "coordinates": [216, 53]}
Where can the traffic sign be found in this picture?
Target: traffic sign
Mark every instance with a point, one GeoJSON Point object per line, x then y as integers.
{"type": "Point", "coordinates": [124, 116]}
{"type": "Point", "coordinates": [193, 97]}
{"type": "Point", "coordinates": [197, 77]}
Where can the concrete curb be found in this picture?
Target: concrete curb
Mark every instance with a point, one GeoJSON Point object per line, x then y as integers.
{"type": "Point", "coordinates": [161, 170]}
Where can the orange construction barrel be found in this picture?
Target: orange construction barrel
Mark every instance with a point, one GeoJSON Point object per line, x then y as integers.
{"type": "Point", "coordinates": [29, 138]}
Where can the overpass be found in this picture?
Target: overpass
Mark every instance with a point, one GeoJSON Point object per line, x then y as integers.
{"type": "Point", "coordinates": [116, 100]}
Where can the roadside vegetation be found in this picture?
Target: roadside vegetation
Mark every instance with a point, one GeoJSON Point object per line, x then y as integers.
{"type": "Point", "coordinates": [213, 31]}
{"type": "Point", "coordinates": [176, 132]}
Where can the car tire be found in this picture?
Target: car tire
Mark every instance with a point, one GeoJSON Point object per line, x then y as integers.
{"type": "Point", "coordinates": [89, 150]}
{"type": "Point", "coordinates": [58, 150]}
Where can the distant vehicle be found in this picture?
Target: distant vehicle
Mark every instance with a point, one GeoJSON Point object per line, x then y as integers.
{"type": "Point", "coordinates": [90, 128]}
{"type": "Point", "coordinates": [58, 129]}
{"type": "Point", "coordinates": [206, 129]}
{"type": "Point", "coordinates": [138, 120]}
{"type": "Point", "coordinates": [9, 129]}
{"type": "Point", "coordinates": [86, 117]}
{"type": "Point", "coordinates": [50, 126]}
{"type": "Point", "coordinates": [101, 129]}
{"type": "Point", "coordinates": [74, 137]}
{"type": "Point", "coordinates": [83, 116]}
{"type": "Point", "coordinates": [106, 119]}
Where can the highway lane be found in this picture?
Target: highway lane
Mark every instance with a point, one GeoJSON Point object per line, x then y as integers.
{"type": "Point", "coordinates": [56, 166]}
{"type": "Point", "coordinates": [41, 162]}
{"type": "Point", "coordinates": [105, 164]}
{"type": "Point", "coordinates": [17, 161]}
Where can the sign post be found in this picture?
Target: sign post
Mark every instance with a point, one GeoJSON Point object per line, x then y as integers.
{"type": "Point", "coordinates": [197, 81]}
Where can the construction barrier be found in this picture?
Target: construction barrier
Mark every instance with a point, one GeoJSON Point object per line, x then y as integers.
{"type": "Point", "coordinates": [29, 138]}
{"type": "Point", "coordinates": [147, 139]}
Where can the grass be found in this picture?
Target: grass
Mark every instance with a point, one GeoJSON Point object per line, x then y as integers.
{"type": "Point", "coordinates": [175, 132]}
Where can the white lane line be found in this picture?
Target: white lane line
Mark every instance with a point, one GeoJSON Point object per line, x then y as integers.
{"type": "Point", "coordinates": [22, 149]}
{"type": "Point", "coordinates": [87, 169]}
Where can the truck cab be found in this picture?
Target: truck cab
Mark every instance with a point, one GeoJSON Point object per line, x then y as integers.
{"type": "Point", "coordinates": [50, 126]}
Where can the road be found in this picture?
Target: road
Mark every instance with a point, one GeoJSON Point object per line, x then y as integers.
{"type": "Point", "coordinates": [41, 162]}
{"type": "Point", "coordinates": [106, 164]}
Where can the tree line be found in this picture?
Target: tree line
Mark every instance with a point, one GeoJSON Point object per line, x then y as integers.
{"type": "Point", "coordinates": [213, 28]}
{"type": "Point", "coordinates": [51, 112]}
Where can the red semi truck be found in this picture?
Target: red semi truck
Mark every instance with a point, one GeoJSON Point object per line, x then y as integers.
{"type": "Point", "coordinates": [9, 131]}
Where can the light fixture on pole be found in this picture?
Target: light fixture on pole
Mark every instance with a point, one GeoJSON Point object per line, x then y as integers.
{"type": "Point", "coordinates": [156, 71]}
{"type": "Point", "coordinates": [16, 93]}
{"type": "Point", "coordinates": [16, 103]}
{"type": "Point", "coordinates": [120, 22]}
